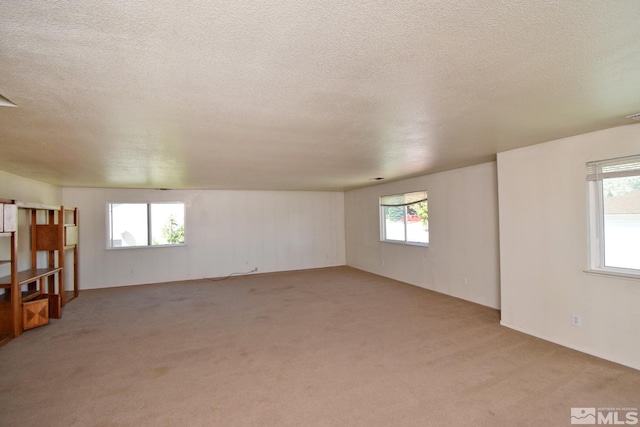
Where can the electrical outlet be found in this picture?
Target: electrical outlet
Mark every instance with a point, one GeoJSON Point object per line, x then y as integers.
{"type": "Point", "coordinates": [576, 320]}
{"type": "Point", "coordinates": [465, 282]}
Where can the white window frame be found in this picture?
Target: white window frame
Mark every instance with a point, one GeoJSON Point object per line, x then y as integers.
{"type": "Point", "coordinates": [405, 204]}
{"type": "Point", "coordinates": [149, 244]}
{"type": "Point", "coordinates": [598, 171]}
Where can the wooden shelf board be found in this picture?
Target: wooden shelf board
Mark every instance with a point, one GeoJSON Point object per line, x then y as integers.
{"type": "Point", "coordinates": [31, 275]}
{"type": "Point", "coordinates": [30, 295]}
{"type": "Point", "coordinates": [26, 296]}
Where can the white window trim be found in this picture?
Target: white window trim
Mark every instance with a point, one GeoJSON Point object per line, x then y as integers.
{"type": "Point", "coordinates": [109, 237]}
{"type": "Point", "coordinates": [596, 216]}
{"type": "Point", "coordinates": [383, 222]}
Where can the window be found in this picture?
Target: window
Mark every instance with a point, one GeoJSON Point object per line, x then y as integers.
{"type": "Point", "coordinates": [614, 195]}
{"type": "Point", "coordinates": [404, 218]}
{"type": "Point", "coordinates": [145, 224]}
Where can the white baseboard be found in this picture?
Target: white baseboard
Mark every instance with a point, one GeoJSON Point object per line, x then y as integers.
{"type": "Point", "coordinates": [604, 356]}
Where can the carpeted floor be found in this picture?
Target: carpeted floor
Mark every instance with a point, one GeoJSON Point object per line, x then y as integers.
{"type": "Point", "coordinates": [325, 347]}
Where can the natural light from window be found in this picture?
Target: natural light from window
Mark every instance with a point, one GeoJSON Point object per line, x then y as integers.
{"type": "Point", "coordinates": [405, 218]}
{"type": "Point", "coordinates": [146, 224]}
{"type": "Point", "coordinates": [614, 189]}
{"type": "Point", "coordinates": [621, 198]}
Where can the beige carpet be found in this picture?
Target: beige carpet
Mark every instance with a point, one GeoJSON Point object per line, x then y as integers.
{"type": "Point", "coordinates": [326, 347]}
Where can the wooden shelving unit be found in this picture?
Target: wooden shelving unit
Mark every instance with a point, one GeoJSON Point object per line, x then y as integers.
{"type": "Point", "coordinates": [31, 296]}
{"type": "Point", "coordinates": [11, 303]}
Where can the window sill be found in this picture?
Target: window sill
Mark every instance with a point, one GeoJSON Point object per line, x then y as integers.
{"type": "Point", "coordinates": [117, 248]}
{"type": "Point", "coordinates": [398, 242]}
{"type": "Point", "coordinates": [614, 274]}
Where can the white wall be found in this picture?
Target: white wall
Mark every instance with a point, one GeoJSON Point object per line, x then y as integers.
{"type": "Point", "coordinates": [226, 232]}
{"type": "Point", "coordinates": [28, 190]}
{"type": "Point", "coordinates": [463, 222]}
{"type": "Point", "coordinates": [544, 248]}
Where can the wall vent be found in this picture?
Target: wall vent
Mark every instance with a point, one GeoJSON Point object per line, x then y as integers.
{"type": "Point", "coordinates": [635, 116]}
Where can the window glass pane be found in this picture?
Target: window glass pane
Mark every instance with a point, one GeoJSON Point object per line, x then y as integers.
{"type": "Point", "coordinates": [418, 223]}
{"type": "Point", "coordinates": [405, 218]}
{"type": "Point", "coordinates": [129, 224]}
{"type": "Point", "coordinates": [394, 223]}
{"type": "Point", "coordinates": [167, 223]}
{"type": "Point", "coordinates": [621, 200]}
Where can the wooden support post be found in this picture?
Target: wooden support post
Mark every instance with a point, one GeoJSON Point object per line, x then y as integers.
{"type": "Point", "coordinates": [16, 293]}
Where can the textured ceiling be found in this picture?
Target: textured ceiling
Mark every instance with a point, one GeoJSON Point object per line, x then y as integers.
{"type": "Point", "coordinates": [302, 94]}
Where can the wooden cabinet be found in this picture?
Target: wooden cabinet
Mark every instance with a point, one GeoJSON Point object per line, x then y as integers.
{"type": "Point", "coordinates": [33, 295]}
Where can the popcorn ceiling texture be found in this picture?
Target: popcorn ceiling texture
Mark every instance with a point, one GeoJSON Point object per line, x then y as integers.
{"type": "Point", "coordinates": [301, 95]}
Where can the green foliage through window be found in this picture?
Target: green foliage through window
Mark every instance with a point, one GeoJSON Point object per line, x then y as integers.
{"type": "Point", "coordinates": [172, 231]}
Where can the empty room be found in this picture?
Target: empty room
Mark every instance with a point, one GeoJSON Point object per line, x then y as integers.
{"type": "Point", "coordinates": [303, 213]}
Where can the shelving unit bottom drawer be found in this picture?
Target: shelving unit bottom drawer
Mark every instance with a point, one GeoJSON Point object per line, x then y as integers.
{"type": "Point", "coordinates": [35, 313]}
